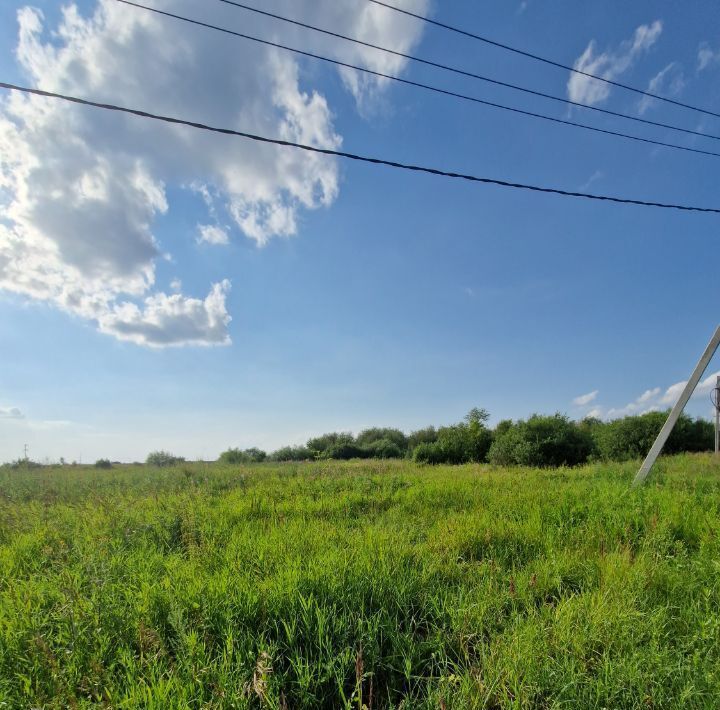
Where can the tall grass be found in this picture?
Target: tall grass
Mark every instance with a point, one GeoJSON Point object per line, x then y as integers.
{"type": "Point", "coordinates": [344, 585]}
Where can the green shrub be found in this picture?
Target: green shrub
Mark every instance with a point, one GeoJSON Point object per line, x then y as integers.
{"type": "Point", "coordinates": [428, 435]}
{"type": "Point", "coordinates": [632, 437]}
{"type": "Point", "coordinates": [291, 453]}
{"type": "Point", "coordinates": [428, 452]}
{"type": "Point", "coordinates": [384, 449]}
{"type": "Point", "coordinates": [236, 456]}
{"type": "Point", "coordinates": [103, 463]}
{"type": "Point", "coordinates": [319, 446]}
{"type": "Point", "coordinates": [344, 451]}
{"type": "Point", "coordinates": [467, 441]}
{"type": "Point", "coordinates": [369, 437]}
{"type": "Point", "coordinates": [542, 441]}
{"type": "Point", "coordinates": [163, 458]}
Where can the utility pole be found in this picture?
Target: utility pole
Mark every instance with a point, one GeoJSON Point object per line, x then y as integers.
{"type": "Point", "coordinates": [715, 399]}
{"type": "Point", "coordinates": [25, 451]}
{"type": "Point", "coordinates": [676, 411]}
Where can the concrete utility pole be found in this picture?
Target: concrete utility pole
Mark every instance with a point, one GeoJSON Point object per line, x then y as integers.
{"type": "Point", "coordinates": [715, 399]}
{"type": "Point", "coordinates": [678, 408]}
{"type": "Point", "coordinates": [25, 451]}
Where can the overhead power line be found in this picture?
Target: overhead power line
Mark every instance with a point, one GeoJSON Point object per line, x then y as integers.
{"type": "Point", "coordinates": [352, 156]}
{"type": "Point", "coordinates": [427, 87]}
{"type": "Point", "coordinates": [545, 60]}
{"type": "Point", "coordinates": [456, 70]}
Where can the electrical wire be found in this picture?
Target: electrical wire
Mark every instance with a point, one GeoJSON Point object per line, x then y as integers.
{"type": "Point", "coordinates": [456, 70]}
{"type": "Point", "coordinates": [352, 156]}
{"type": "Point", "coordinates": [545, 60]}
{"type": "Point", "coordinates": [427, 87]}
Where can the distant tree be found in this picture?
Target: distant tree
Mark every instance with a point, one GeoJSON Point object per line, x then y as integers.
{"type": "Point", "coordinates": [103, 463]}
{"type": "Point", "coordinates": [384, 449]}
{"type": "Point", "coordinates": [369, 436]}
{"type": "Point", "coordinates": [502, 426]}
{"type": "Point", "coordinates": [477, 416]}
{"type": "Point", "coordinates": [237, 456]}
{"type": "Point", "coordinates": [542, 441]}
{"type": "Point", "coordinates": [467, 441]}
{"type": "Point", "coordinates": [632, 437]}
{"type": "Point", "coordinates": [345, 451]}
{"type": "Point", "coordinates": [428, 452]}
{"type": "Point", "coordinates": [291, 453]}
{"type": "Point", "coordinates": [428, 435]}
{"type": "Point", "coordinates": [163, 458]}
{"type": "Point", "coordinates": [319, 446]}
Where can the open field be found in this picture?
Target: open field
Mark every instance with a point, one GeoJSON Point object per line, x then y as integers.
{"type": "Point", "coordinates": [381, 584]}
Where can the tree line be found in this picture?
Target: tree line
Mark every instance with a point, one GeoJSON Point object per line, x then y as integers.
{"type": "Point", "coordinates": [540, 440]}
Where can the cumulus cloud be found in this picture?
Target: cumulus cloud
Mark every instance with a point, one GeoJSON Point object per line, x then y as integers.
{"type": "Point", "coordinates": [668, 82]}
{"type": "Point", "coordinates": [652, 400]}
{"type": "Point", "coordinates": [707, 56]}
{"type": "Point", "coordinates": [11, 413]}
{"type": "Point", "coordinates": [171, 320]}
{"type": "Point", "coordinates": [80, 189]}
{"type": "Point", "coordinates": [585, 399]}
{"type": "Point", "coordinates": [609, 64]}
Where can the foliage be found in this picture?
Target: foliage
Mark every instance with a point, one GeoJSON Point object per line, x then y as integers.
{"type": "Point", "coordinates": [321, 446]}
{"type": "Point", "coordinates": [384, 449]}
{"type": "Point", "coordinates": [370, 583]}
{"type": "Point", "coordinates": [237, 456]}
{"type": "Point", "coordinates": [542, 441]}
{"type": "Point", "coordinates": [428, 435]}
{"type": "Point", "coordinates": [291, 453]}
{"type": "Point", "coordinates": [103, 463]}
{"type": "Point", "coordinates": [163, 458]}
{"type": "Point", "coordinates": [632, 437]}
{"type": "Point", "coordinates": [368, 437]}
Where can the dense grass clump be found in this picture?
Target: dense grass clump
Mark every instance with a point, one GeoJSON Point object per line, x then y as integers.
{"type": "Point", "coordinates": [368, 583]}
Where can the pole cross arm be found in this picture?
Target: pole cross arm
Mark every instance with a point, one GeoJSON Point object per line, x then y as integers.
{"type": "Point", "coordinates": [676, 411]}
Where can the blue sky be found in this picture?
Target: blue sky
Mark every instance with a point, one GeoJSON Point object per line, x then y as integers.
{"type": "Point", "coordinates": [358, 295]}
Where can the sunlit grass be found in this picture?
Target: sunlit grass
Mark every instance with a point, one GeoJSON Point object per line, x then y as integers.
{"type": "Point", "coordinates": [367, 583]}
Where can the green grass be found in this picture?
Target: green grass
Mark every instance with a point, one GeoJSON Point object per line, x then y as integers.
{"type": "Point", "coordinates": [365, 583]}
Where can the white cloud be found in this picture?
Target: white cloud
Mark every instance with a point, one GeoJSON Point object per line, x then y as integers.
{"type": "Point", "coordinates": [641, 405]}
{"type": "Point", "coordinates": [609, 65]}
{"type": "Point", "coordinates": [595, 413]}
{"type": "Point", "coordinates": [212, 234]}
{"type": "Point", "coordinates": [584, 399]}
{"type": "Point", "coordinates": [80, 189]}
{"type": "Point", "coordinates": [11, 413]}
{"type": "Point", "coordinates": [655, 399]}
{"type": "Point", "coordinates": [648, 395]}
{"type": "Point", "coordinates": [171, 320]}
{"type": "Point", "coordinates": [704, 387]}
{"type": "Point", "coordinates": [176, 284]}
{"type": "Point", "coordinates": [668, 82]}
{"type": "Point", "coordinates": [707, 56]}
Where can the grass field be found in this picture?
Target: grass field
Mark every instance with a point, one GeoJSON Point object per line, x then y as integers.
{"type": "Point", "coordinates": [360, 584]}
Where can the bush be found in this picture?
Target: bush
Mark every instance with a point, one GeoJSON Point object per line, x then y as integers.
{"type": "Point", "coordinates": [428, 452]}
{"type": "Point", "coordinates": [103, 463]}
{"type": "Point", "coordinates": [468, 441]}
{"type": "Point", "coordinates": [384, 449]}
{"type": "Point", "coordinates": [542, 441]}
{"type": "Point", "coordinates": [632, 437]}
{"type": "Point", "coordinates": [319, 446]}
{"type": "Point", "coordinates": [236, 456]}
{"type": "Point", "coordinates": [344, 451]}
{"type": "Point", "coordinates": [368, 437]}
{"type": "Point", "coordinates": [291, 453]}
{"type": "Point", "coordinates": [163, 458]}
{"type": "Point", "coordinates": [428, 435]}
